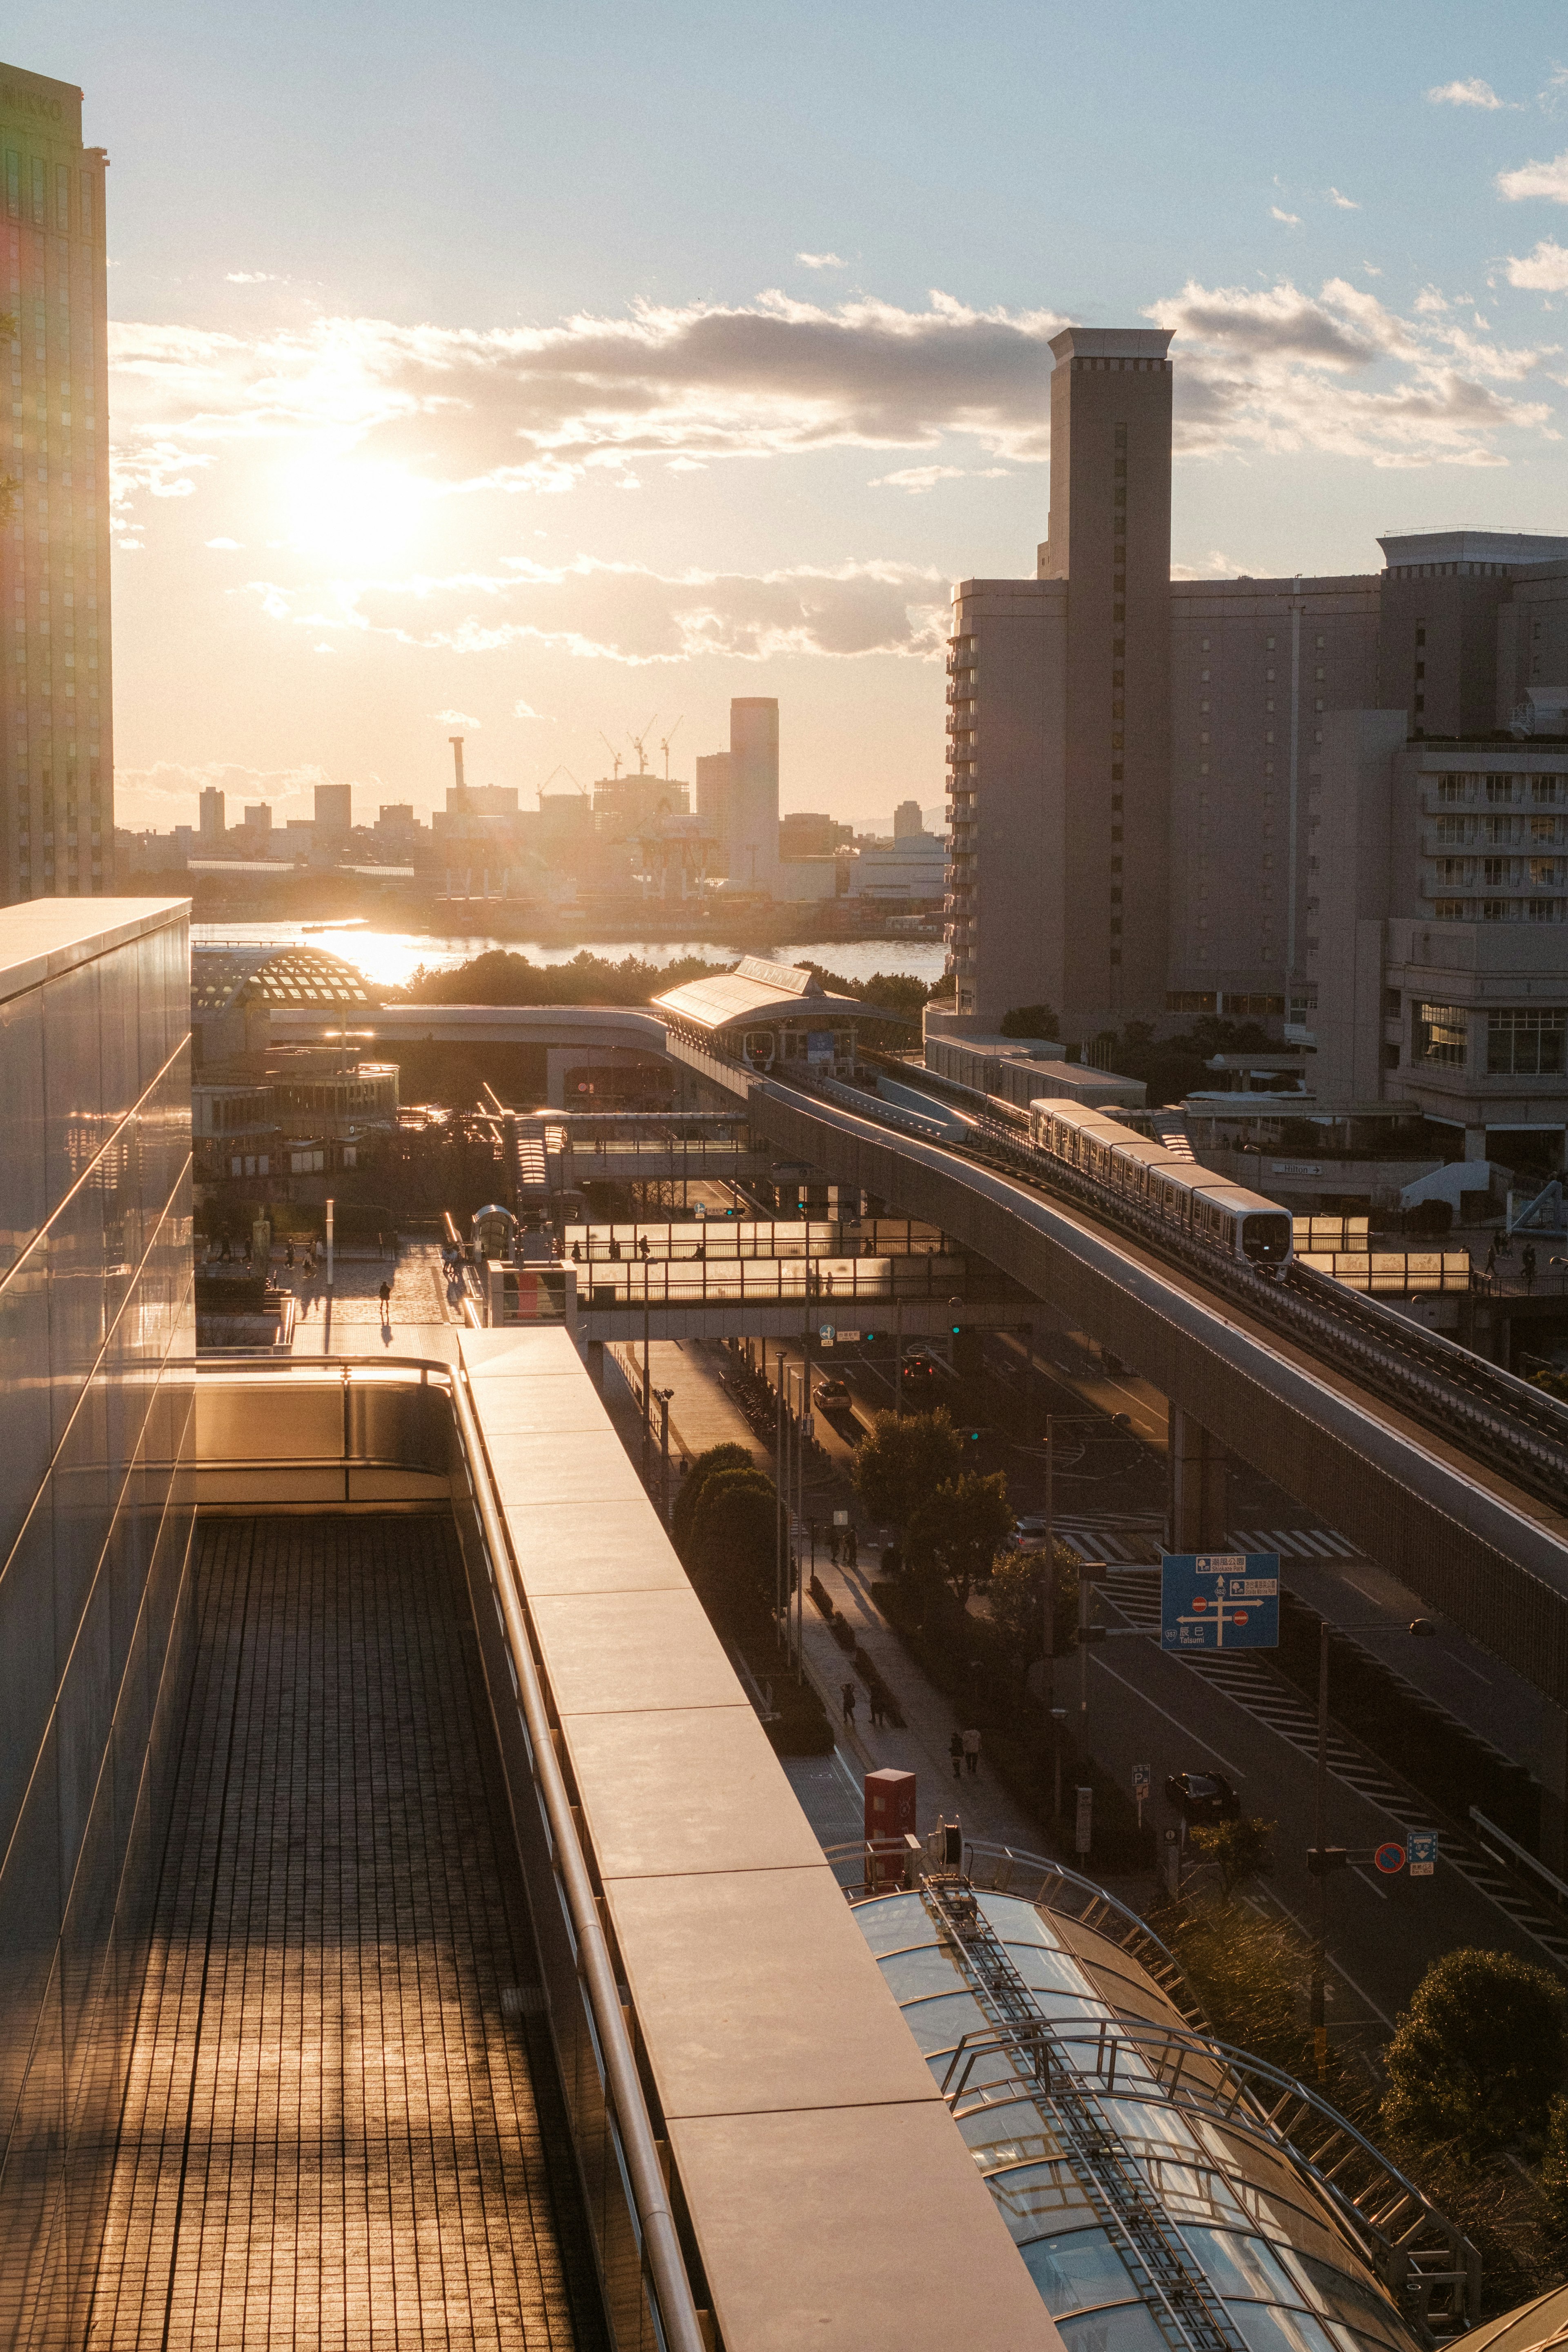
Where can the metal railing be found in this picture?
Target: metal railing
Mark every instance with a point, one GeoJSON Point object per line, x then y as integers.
{"type": "Point", "coordinates": [1424, 2260]}
{"type": "Point", "coordinates": [676, 2315]}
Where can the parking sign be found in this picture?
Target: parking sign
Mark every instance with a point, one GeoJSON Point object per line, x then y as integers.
{"type": "Point", "coordinates": [1142, 1781]}
{"type": "Point", "coordinates": [1219, 1600]}
{"type": "Point", "coordinates": [1421, 1846]}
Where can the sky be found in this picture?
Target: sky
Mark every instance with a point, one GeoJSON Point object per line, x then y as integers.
{"type": "Point", "coordinates": [550, 374]}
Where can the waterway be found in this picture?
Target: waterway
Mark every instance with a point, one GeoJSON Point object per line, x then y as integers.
{"type": "Point", "coordinates": [390, 958]}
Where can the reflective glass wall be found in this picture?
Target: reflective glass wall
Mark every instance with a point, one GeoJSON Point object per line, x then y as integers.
{"type": "Point", "coordinates": [96, 1316]}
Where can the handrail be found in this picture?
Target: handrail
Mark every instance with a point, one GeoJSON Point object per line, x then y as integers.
{"type": "Point", "coordinates": [677, 2309]}
{"type": "Point", "coordinates": [1521, 1855]}
{"type": "Point", "coordinates": [1248, 2096]}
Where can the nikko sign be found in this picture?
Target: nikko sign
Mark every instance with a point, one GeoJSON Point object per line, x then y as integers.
{"type": "Point", "coordinates": [1219, 1600]}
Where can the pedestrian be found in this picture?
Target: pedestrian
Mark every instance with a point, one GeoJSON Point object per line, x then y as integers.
{"type": "Point", "coordinates": [955, 1749]}
{"type": "Point", "coordinates": [878, 1706]}
{"type": "Point", "coordinates": [385, 1296]}
{"type": "Point", "coordinates": [972, 1752]}
{"type": "Point", "coordinates": [576, 1253]}
{"type": "Point", "coordinates": [643, 1250]}
{"type": "Point", "coordinates": [833, 1546]}
{"type": "Point", "coordinates": [851, 1550]}
{"type": "Point", "coordinates": [1527, 1265]}
{"type": "Point", "coordinates": [1491, 1262]}
{"type": "Point", "coordinates": [850, 1705]}
{"type": "Point", "coordinates": [614, 1248]}
{"type": "Point", "coordinates": [288, 1255]}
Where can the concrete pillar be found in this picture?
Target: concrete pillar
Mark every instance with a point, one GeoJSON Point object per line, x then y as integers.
{"type": "Point", "coordinates": [1197, 1508]}
{"type": "Point", "coordinates": [1475, 1143]}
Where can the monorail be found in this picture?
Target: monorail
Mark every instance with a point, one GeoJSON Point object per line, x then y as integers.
{"type": "Point", "coordinates": [1222, 1215]}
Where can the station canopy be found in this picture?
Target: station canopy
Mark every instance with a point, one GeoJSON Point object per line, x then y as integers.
{"type": "Point", "coordinates": [758, 991]}
{"type": "Point", "coordinates": [229, 978]}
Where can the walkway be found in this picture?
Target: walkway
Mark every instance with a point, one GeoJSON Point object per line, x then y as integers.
{"type": "Point", "coordinates": [334, 2134]}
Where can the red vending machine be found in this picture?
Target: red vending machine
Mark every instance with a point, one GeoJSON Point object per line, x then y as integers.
{"type": "Point", "coordinates": [890, 1820]}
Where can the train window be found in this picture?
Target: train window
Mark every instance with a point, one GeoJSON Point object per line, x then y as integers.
{"type": "Point", "coordinates": [1265, 1236]}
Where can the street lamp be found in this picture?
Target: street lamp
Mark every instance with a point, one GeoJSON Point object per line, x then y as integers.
{"type": "Point", "coordinates": [1323, 1859]}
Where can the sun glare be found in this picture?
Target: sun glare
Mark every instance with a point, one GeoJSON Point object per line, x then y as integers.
{"type": "Point", "coordinates": [352, 513]}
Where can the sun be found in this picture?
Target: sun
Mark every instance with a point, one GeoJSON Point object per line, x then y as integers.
{"type": "Point", "coordinates": [351, 511]}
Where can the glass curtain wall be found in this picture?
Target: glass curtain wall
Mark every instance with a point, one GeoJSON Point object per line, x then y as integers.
{"type": "Point", "coordinates": [96, 1327]}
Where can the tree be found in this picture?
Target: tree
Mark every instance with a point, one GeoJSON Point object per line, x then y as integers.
{"type": "Point", "coordinates": [689, 1492]}
{"type": "Point", "coordinates": [957, 1532]}
{"type": "Point", "coordinates": [899, 1461]}
{"type": "Point", "coordinates": [734, 1538]}
{"type": "Point", "coordinates": [1478, 2054]}
{"type": "Point", "coordinates": [1031, 1021]}
{"type": "Point", "coordinates": [1016, 1597]}
{"type": "Point", "coordinates": [1240, 1850]}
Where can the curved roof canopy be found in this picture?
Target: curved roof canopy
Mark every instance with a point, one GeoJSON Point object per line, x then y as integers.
{"type": "Point", "coordinates": [226, 980]}
{"type": "Point", "coordinates": [759, 989]}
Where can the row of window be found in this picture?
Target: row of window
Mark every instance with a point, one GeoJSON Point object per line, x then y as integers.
{"type": "Point", "coordinates": [1498, 828]}
{"type": "Point", "coordinates": [1497, 873]}
{"type": "Point", "coordinates": [33, 193]}
{"type": "Point", "coordinates": [1500, 910]}
{"type": "Point", "coordinates": [1524, 1041]}
{"type": "Point", "coordinates": [1543, 791]}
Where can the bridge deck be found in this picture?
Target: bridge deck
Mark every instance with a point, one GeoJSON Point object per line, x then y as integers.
{"type": "Point", "coordinates": [334, 2134]}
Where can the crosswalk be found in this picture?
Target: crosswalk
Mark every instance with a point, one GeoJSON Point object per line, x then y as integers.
{"type": "Point", "coordinates": [1132, 1543]}
{"type": "Point", "coordinates": [1134, 1593]}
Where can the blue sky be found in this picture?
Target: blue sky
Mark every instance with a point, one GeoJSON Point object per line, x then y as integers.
{"type": "Point", "coordinates": [560, 367]}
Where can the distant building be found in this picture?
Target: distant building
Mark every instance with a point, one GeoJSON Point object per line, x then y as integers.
{"type": "Point", "coordinates": [805, 832]}
{"type": "Point", "coordinates": [334, 809]}
{"type": "Point", "coordinates": [738, 807]}
{"type": "Point", "coordinates": [910, 869]}
{"type": "Point", "coordinates": [210, 817]}
{"type": "Point", "coordinates": [907, 819]}
{"type": "Point", "coordinates": [624, 805]}
{"type": "Point", "coordinates": [258, 818]}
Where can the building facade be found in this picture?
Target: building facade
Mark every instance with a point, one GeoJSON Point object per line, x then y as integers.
{"type": "Point", "coordinates": [96, 1337]}
{"type": "Point", "coordinates": [56, 750]}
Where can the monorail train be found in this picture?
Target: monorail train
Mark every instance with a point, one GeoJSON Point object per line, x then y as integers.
{"type": "Point", "coordinates": [1223, 1216]}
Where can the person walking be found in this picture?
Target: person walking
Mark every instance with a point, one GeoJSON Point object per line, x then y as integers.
{"type": "Point", "coordinates": [851, 1550]}
{"type": "Point", "coordinates": [1527, 1265]}
{"type": "Point", "coordinates": [850, 1705]}
{"type": "Point", "coordinates": [955, 1749]}
{"type": "Point", "coordinates": [833, 1546]}
{"type": "Point", "coordinates": [1491, 1264]}
{"type": "Point", "coordinates": [971, 1753]}
{"type": "Point", "coordinates": [288, 1256]}
{"type": "Point", "coordinates": [384, 1294]}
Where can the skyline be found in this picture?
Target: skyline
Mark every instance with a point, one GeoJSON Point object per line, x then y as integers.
{"type": "Point", "coordinates": [508, 445]}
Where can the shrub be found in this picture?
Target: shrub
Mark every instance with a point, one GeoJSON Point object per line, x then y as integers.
{"type": "Point", "coordinates": [1478, 2054]}
{"type": "Point", "coordinates": [690, 1493]}
{"type": "Point", "coordinates": [1239, 1849]}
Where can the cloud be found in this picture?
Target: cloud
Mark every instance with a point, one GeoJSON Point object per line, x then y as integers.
{"type": "Point", "coordinates": [1345, 203]}
{"type": "Point", "coordinates": [1549, 180]}
{"type": "Point", "coordinates": [1474, 92]}
{"type": "Point", "coordinates": [624, 613]}
{"type": "Point", "coordinates": [166, 792]}
{"type": "Point", "coordinates": [918, 477]}
{"type": "Point", "coordinates": [823, 260]}
{"type": "Point", "coordinates": [1291, 220]}
{"type": "Point", "coordinates": [1544, 271]}
{"type": "Point", "coordinates": [459, 719]}
{"type": "Point", "coordinates": [223, 542]}
{"type": "Point", "coordinates": [1280, 370]}
{"type": "Point", "coordinates": [252, 278]}
{"type": "Point", "coordinates": [525, 711]}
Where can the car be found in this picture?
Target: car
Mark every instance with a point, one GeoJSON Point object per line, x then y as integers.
{"type": "Point", "coordinates": [920, 1373]}
{"type": "Point", "coordinates": [832, 1396]}
{"type": "Point", "coordinates": [1202, 1796]}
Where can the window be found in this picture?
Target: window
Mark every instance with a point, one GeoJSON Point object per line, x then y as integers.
{"type": "Point", "coordinates": [1420, 670]}
{"type": "Point", "coordinates": [1499, 828]}
{"type": "Point", "coordinates": [1544, 791]}
{"type": "Point", "coordinates": [13, 184]}
{"type": "Point", "coordinates": [40, 194]}
{"type": "Point", "coordinates": [1542, 869]}
{"type": "Point", "coordinates": [1543, 828]}
{"type": "Point", "coordinates": [1449, 911]}
{"type": "Point", "coordinates": [1450, 869]}
{"type": "Point", "coordinates": [62, 197]}
{"type": "Point", "coordinates": [1268, 644]}
{"type": "Point", "coordinates": [1543, 910]}
{"type": "Point", "coordinates": [1494, 910]}
{"type": "Point", "coordinates": [1420, 632]}
{"type": "Point", "coordinates": [1499, 788]}
{"type": "Point", "coordinates": [1439, 1035]}
{"type": "Point", "coordinates": [1492, 873]}
{"type": "Point", "coordinates": [1450, 788]}
{"type": "Point", "coordinates": [1450, 828]}
{"type": "Point", "coordinates": [1526, 1041]}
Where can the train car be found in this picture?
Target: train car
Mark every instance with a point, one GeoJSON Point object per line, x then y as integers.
{"type": "Point", "coordinates": [1221, 1215]}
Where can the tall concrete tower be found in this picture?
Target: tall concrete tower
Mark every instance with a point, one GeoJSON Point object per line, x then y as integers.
{"type": "Point", "coordinates": [1110, 541]}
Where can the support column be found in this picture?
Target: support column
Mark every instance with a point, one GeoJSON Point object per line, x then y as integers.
{"type": "Point", "coordinates": [1197, 1506]}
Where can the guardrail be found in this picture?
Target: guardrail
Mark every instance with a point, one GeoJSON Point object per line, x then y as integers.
{"type": "Point", "coordinates": [349, 1381]}
{"type": "Point", "coordinates": [1548, 1880]}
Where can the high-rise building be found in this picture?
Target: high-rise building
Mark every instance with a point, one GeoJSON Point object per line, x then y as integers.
{"type": "Point", "coordinates": [335, 808]}
{"type": "Point", "coordinates": [210, 820]}
{"type": "Point", "coordinates": [907, 820]}
{"type": "Point", "coordinates": [753, 826]}
{"type": "Point", "coordinates": [57, 754]}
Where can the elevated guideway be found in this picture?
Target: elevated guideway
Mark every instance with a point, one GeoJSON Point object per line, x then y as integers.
{"type": "Point", "coordinates": [1480, 1544]}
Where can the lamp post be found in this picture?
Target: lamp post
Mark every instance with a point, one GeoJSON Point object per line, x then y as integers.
{"type": "Point", "coordinates": [664, 1396]}
{"type": "Point", "coordinates": [1318, 1860]}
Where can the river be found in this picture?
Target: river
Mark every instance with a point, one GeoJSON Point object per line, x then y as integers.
{"type": "Point", "coordinates": [390, 958]}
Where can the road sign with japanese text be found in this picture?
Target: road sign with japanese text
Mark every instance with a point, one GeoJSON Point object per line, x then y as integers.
{"type": "Point", "coordinates": [1219, 1600]}
{"type": "Point", "coordinates": [1421, 1846]}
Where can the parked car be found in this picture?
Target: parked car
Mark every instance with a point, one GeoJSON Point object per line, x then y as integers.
{"type": "Point", "coordinates": [1202, 1796]}
{"type": "Point", "coordinates": [833, 1396]}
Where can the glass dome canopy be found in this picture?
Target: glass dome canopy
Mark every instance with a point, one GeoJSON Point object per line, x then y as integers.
{"type": "Point", "coordinates": [1147, 2175]}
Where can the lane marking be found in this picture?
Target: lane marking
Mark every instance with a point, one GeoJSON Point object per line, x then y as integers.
{"type": "Point", "coordinates": [1185, 1729]}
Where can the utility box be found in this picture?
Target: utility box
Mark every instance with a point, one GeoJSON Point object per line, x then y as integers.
{"type": "Point", "coordinates": [889, 1821]}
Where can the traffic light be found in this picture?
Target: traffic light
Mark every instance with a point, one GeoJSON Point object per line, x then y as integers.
{"type": "Point", "coordinates": [974, 1437]}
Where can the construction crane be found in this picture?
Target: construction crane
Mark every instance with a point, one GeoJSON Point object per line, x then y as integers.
{"type": "Point", "coordinates": [638, 743]}
{"type": "Point", "coordinates": [665, 742]}
{"type": "Point", "coordinates": [617, 756]}
{"type": "Point", "coordinates": [562, 770]}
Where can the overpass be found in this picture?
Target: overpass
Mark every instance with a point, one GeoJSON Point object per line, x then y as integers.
{"type": "Point", "coordinates": [1451, 1474]}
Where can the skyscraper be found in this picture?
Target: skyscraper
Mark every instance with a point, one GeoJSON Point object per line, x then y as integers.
{"type": "Point", "coordinates": [57, 757]}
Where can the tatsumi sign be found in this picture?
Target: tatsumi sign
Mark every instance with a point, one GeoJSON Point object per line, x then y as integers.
{"type": "Point", "coordinates": [1219, 1600]}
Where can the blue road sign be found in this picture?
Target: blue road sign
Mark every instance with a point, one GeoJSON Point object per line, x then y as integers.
{"type": "Point", "coordinates": [1219, 1600]}
{"type": "Point", "coordinates": [1390, 1859]}
{"type": "Point", "coordinates": [1422, 1847]}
